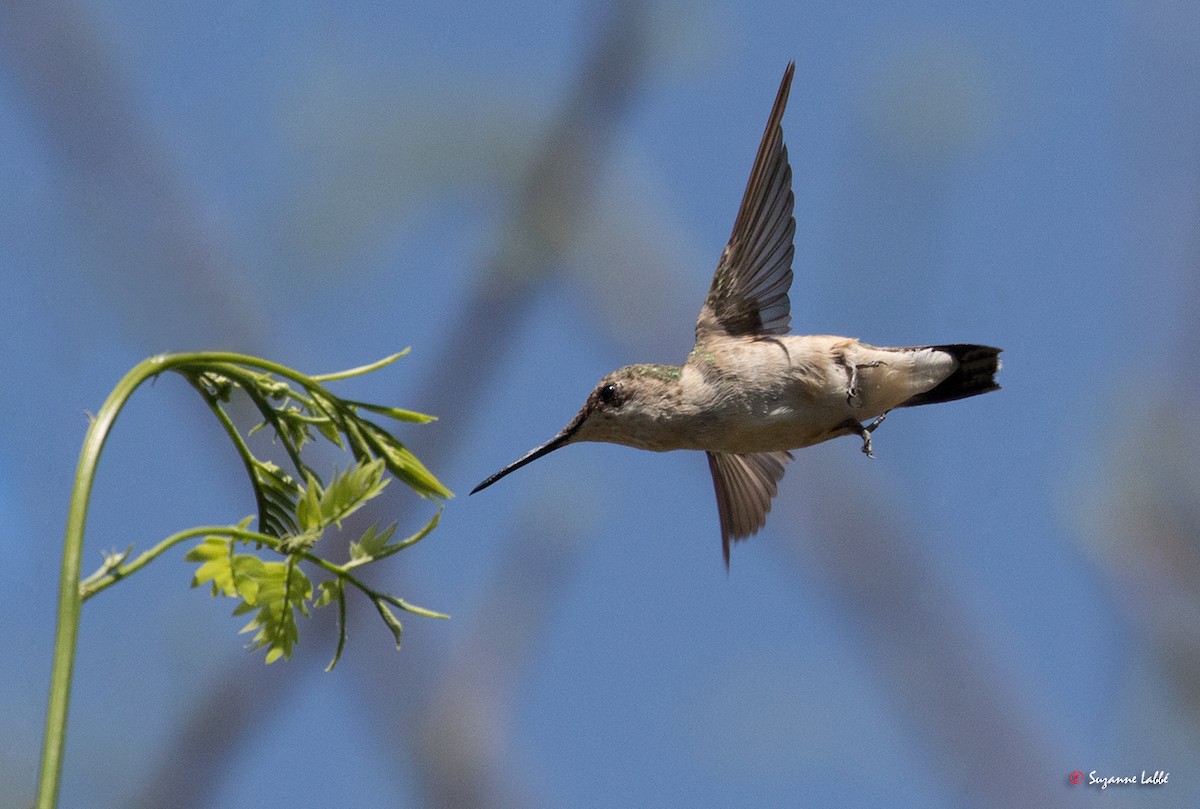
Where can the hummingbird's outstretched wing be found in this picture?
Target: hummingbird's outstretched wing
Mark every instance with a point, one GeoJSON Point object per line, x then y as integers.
{"type": "Point", "coordinates": [749, 292]}
{"type": "Point", "coordinates": [745, 485]}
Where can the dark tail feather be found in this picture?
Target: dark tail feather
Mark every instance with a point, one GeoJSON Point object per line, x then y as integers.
{"type": "Point", "coordinates": [976, 374]}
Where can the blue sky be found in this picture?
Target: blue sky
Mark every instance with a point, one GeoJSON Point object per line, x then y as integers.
{"type": "Point", "coordinates": [1006, 594]}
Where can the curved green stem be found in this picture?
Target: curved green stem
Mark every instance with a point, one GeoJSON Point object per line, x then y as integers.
{"type": "Point", "coordinates": [105, 578]}
{"type": "Point", "coordinates": [73, 591]}
{"type": "Point", "coordinates": [69, 599]}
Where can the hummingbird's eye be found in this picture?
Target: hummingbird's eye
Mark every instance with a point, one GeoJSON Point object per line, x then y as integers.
{"type": "Point", "coordinates": [608, 393]}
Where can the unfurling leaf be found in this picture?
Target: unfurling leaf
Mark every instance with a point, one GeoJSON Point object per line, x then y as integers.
{"type": "Point", "coordinates": [393, 623]}
{"type": "Point", "coordinates": [327, 591]}
{"type": "Point", "coordinates": [308, 507]}
{"type": "Point", "coordinates": [335, 590]}
{"type": "Point", "coordinates": [373, 546]}
{"type": "Point", "coordinates": [397, 413]}
{"type": "Point", "coordinates": [402, 463]}
{"type": "Point", "coordinates": [371, 543]}
{"type": "Point", "coordinates": [276, 493]}
{"type": "Point", "coordinates": [348, 491]}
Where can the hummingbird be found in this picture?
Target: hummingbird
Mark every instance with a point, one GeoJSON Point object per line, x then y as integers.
{"type": "Point", "coordinates": [749, 392]}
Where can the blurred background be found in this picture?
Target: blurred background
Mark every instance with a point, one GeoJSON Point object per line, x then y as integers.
{"type": "Point", "coordinates": [530, 195]}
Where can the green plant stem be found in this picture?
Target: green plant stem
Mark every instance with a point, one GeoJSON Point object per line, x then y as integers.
{"type": "Point", "coordinates": [72, 591]}
{"type": "Point", "coordinates": [70, 601]}
{"type": "Point", "coordinates": [214, 357]}
{"type": "Point", "coordinates": [106, 578]}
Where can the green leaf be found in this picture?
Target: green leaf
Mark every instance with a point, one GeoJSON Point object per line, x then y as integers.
{"type": "Point", "coordinates": [215, 556]}
{"type": "Point", "coordinates": [329, 430]}
{"type": "Point", "coordinates": [282, 591]}
{"type": "Point", "coordinates": [248, 576]}
{"type": "Point", "coordinates": [349, 491]}
{"type": "Point", "coordinates": [308, 508]}
{"type": "Point", "coordinates": [402, 463]}
{"type": "Point", "coordinates": [273, 591]}
{"type": "Point", "coordinates": [397, 413]}
{"type": "Point", "coordinates": [370, 544]}
{"type": "Point", "coordinates": [413, 608]}
{"type": "Point", "coordinates": [373, 547]}
{"type": "Point", "coordinates": [327, 591]}
{"type": "Point", "coordinates": [276, 493]}
{"type": "Point", "coordinates": [268, 385]}
{"type": "Point", "coordinates": [362, 369]}
{"type": "Point", "coordinates": [295, 425]}
{"type": "Point", "coordinates": [299, 543]}
{"type": "Point", "coordinates": [335, 590]}
{"type": "Point", "coordinates": [415, 538]}
{"type": "Point", "coordinates": [392, 622]}
{"type": "Point", "coordinates": [323, 406]}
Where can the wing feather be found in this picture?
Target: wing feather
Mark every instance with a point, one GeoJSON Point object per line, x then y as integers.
{"type": "Point", "coordinates": [749, 292]}
{"type": "Point", "coordinates": [745, 485]}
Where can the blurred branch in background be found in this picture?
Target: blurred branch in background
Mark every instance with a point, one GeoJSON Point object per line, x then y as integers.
{"type": "Point", "coordinates": [172, 283]}
{"type": "Point", "coordinates": [958, 699]}
{"type": "Point", "coordinates": [549, 214]}
{"type": "Point", "coordinates": [134, 256]}
{"type": "Point", "coordinates": [1138, 508]}
{"type": "Point", "coordinates": [462, 760]}
{"type": "Point", "coordinates": [460, 730]}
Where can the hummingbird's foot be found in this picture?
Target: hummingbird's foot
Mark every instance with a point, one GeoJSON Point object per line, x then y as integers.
{"type": "Point", "coordinates": [863, 431]}
{"type": "Point", "coordinates": [866, 437]}
{"type": "Point", "coordinates": [852, 394]}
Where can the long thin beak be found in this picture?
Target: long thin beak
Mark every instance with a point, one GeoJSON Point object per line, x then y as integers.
{"type": "Point", "coordinates": [554, 443]}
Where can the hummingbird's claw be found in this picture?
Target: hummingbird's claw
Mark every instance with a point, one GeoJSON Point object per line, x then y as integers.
{"type": "Point", "coordinates": [866, 447]}
{"type": "Point", "coordinates": [864, 432]}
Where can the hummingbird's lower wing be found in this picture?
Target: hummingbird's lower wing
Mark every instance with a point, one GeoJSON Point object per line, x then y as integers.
{"type": "Point", "coordinates": [745, 485]}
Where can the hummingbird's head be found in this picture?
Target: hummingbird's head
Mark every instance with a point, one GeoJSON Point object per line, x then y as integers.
{"type": "Point", "coordinates": [630, 406]}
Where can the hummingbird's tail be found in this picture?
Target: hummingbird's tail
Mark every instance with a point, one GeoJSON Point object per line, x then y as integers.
{"type": "Point", "coordinates": [976, 373]}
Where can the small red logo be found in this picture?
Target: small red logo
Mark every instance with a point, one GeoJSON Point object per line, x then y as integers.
{"type": "Point", "coordinates": [1076, 777]}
